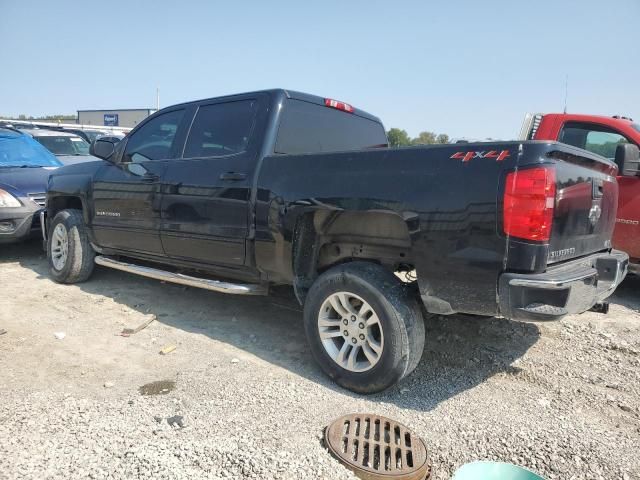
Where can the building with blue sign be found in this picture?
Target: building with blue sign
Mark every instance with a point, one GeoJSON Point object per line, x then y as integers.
{"type": "Point", "coordinates": [118, 117]}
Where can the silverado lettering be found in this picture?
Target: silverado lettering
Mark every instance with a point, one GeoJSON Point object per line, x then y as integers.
{"type": "Point", "coordinates": [107, 214]}
{"type": "Point", "coordinates": [562, 253]}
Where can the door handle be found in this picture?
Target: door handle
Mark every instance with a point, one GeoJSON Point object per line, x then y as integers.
{"type": "Point", "coordinates": [233, 176]}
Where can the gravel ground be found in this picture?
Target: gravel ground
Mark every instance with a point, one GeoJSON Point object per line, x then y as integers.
{"type": "Point", "coordinates": [560, 398]}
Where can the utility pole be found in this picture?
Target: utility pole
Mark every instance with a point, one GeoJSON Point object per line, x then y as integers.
{"type": "Point", "coordinates": [157, 98]}
{"type": "Point", "coordinates": [566, 91]}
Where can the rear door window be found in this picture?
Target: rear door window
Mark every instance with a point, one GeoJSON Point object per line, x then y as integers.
{"type": "Point", "coordinates": [307, 128]}
{"type": "Point", "coordinates": [594, 138]}
{"type": "Point", "coordinates": [221, 129]}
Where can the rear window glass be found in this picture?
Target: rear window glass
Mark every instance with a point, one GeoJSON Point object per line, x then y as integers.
{"type": "Point", "coordinates": [221, 129]}
{"type": "Point", "coordinates": [594, 138]}
{"type": "Point", "coordinates": [307, 128]}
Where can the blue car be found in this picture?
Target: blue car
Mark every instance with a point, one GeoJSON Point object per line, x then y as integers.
{"type": "Point", "coordinates": [25, 166]}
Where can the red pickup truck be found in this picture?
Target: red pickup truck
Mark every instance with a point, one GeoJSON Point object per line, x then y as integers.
{"type": "Point", "coordinates": [616, 138]}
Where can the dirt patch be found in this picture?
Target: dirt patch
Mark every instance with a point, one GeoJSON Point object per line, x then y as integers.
{"type": "Point", "coordinates": [161, 387]}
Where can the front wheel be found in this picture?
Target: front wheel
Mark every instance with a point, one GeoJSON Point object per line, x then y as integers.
{"type": "Point", "coordinates": [70, 254]}
{"type": "Point", "coordinates": [364, 327]}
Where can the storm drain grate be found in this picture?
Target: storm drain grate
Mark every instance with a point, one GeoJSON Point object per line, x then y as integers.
{"type": "Point", "coordinates": [377, 448]}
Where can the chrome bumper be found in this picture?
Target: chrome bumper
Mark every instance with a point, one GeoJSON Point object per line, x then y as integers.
{"type": "Point", "coordinates": [573, 287]}
{"type": "Point", "coordinates": [43, 224]}
{"type": "Point", "coordinates": [43, 228]}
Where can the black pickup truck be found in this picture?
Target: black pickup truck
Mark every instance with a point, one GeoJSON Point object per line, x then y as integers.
{"type": "Point", "coordinates": [237, 193]}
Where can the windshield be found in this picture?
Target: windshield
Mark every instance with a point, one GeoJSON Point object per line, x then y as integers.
{"type": "Point", "coordinates": [19, 150]}
{"type": "Point", "coordinates": [65, 145]}
{"type": "Point", "coordinates": [636, 126]}
{"type": "Point", "coordinates": [93, 135]}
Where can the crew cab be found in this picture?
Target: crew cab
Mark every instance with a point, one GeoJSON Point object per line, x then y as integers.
{"type": "Point", "coordinates": [615, 138]}
{"type": "Point", "coordinates": [238, 193]}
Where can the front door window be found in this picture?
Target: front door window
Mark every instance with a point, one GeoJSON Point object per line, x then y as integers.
{"type": "Point", "coordinates": [155, 139]}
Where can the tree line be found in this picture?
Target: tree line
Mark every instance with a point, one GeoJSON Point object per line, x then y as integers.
{"type": "Point", "coordinates": [400, 138]}
{"type": "Point", "coordinates": [43, 118]}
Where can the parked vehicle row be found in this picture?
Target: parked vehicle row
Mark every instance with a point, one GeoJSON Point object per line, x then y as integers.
{"type": "Point", "coordinates": [72, 144]}
{"type": "Point", "coordinates": [68, 147]}
{"type": "Point", "coordinates": [281, 187]}
{"type": "Point", "coordinates": [25, 166]}
{"type": "Point", "coordinates": [89, 133]}
{"type": "Point", "coordinates": [27, 156]}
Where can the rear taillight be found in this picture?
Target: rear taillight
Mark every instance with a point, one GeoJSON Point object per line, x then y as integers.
{"type": "Point", "coordinates": [345, 107]}
{"type": "Point", "coordinates": [529, 198]}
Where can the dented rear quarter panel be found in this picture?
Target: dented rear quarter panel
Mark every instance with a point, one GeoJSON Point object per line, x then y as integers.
{"type": "Point", "coordinates": [449, 205]}
{"type": "Point", "coordinates": [449, 200]}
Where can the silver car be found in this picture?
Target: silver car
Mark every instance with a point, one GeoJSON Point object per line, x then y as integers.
{"type": "Point", "coordinates": [68, 147]}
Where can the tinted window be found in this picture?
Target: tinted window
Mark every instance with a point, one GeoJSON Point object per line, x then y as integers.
{"type": "Point", "coordinates": [93, 135]}
{"type": "Point", "coordinates": [592, 138]}
{"type": "Point", "coordinates": [306, 127]}
{"type": "Point", "coordinates": [221, 129]}
{"type": "Point", "coordinates": [65, 145]}
{"type": "Point", "coordinates": [604, 143]}
{"type": "Point", "coordinates": [154, 140]}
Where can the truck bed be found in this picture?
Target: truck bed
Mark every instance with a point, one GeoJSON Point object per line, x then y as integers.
{"type": "Point", "coordinates": [436, 208]}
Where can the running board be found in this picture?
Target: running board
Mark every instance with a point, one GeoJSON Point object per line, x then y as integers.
{"type": "Point", "coordinates": [207, 284]}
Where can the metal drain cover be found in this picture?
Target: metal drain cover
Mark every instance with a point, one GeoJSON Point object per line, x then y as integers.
{"type": "Point", "coordinates": [377, 448]}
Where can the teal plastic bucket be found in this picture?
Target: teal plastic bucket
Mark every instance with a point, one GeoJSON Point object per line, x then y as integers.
{"type": "Point", "coordinates": [494, 471]}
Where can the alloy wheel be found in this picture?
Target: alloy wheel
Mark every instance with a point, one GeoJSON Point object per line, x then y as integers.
{"type": "Point", "coordinates": [59, 247]}
{"type": "Point", "coordinates": [350, 331]}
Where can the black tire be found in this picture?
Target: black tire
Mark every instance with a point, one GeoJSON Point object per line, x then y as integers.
{"type": "Point", "coordinates": [400, 318]}
{"type": "Point", "coordinates": [80, 257]}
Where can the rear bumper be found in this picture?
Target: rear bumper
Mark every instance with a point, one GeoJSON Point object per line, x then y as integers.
{"type": "Point", "coordinates": [573, 287]}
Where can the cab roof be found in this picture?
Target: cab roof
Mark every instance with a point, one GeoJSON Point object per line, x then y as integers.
{"type": "Point", "coordinates": [286, 94]}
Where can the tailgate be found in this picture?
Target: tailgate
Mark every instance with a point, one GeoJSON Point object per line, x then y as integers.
{"type": "Point", "coordinates": [586, 204]}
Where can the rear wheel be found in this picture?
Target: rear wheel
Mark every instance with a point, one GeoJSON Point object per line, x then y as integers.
{"type": "Point", "coordinates": [364, 327]}
{"type": "Point", "coordinates": [70, 254]}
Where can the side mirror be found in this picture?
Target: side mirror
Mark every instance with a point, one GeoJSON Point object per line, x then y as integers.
{"type": "Point", "coordinates": [628, 159]}
{"type": "Point", "coordinates": [102, 148]}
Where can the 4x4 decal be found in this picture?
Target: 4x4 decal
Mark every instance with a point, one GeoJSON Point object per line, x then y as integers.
{"type": "Point", "coordinates": [468, 156]}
